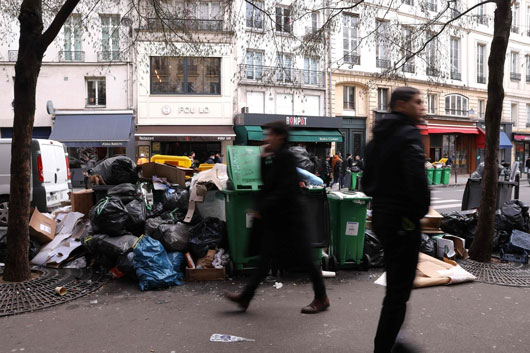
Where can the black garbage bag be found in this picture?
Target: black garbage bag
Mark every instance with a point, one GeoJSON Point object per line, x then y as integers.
{"type": "Point", "coordinates": [501, 239]}
{"type": "Point", "coordinates": [176, 198]}
{"type": "Point", "coordinates": [125, 265]}
{"type": "Point", "coordinates": [34, 247]}
{"type": "Point", "coordinates": [157, 209]}
{"type": "Point", "coordinates": [502, 223]}
{"type": "Point", "coordinates": [461, 223]}
{"type": "Point", "coordinates": [152, 224]}
{"type": "Point", "coordinates": [303, 159]}
{"type": "Point", "coordinates": [115, 246]}
{"type": "Point", "coordinates": [374, 249]}
{"type": "Point", "coordinates": [91, 243]}
{"type": "Point", "coordinates": [516, 213]}
{"type": "Point", "coordinates": [109, 216]}
{"type": "Point", "coordinates": [138, 215]}
{"type": "Point", "coordinates": [174, 237]}
{"type": "Point", "coordinates": [207, 234]}
{"type": "Point", "coordinates": [428, 245]}
{"type": "Point", "coordinates": [117, 170]}
{"type": "Point", "coordinates": [126, 192]}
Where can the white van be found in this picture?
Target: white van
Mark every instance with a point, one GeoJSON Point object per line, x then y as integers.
{"type": "Point", "coordinates": [50, 180]}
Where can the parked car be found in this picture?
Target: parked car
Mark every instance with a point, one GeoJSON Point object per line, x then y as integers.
{"type": "Point", "coordinates": [50, 175]}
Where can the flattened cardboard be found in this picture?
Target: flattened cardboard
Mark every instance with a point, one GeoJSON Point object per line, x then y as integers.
{"type": "Point", "coordinates": [174, 175]}
{"type": "Point", "coordinates": [82, 201]}
{"type": "Point", "coordinates": [205, 274]}
{"type": "Point", "coordinates": [41, 227]}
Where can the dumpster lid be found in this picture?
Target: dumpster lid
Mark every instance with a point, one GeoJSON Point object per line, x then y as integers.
{"type": "Point", "coordinates": [244, 167]}
{"type": "Point", "coordinates": [338, 195]}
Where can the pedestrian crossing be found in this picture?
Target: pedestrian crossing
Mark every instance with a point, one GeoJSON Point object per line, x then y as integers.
{"type": "Point", "coordinates": [439, 204]}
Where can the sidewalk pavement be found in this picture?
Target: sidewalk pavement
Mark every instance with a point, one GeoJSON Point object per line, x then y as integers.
{"type": "Point", "coordinates": [472, 317]}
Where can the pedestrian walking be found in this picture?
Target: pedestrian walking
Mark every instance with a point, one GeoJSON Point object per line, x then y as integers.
{"type": "Point", "coordinates": [398, 204]}
{"type": "Point", "coordinates": [527, 165]}
{"type": "Point", "coordinates": [325, 170]}
{"type": "Point", "coordinates": [278, 221]}
{"type": "Point", "coordinates": [336, 165]}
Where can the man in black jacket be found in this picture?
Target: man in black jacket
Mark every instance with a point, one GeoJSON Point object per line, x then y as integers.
{"type": "Point", "coordinates": [280, 219]}
{"type": "Point", "coordinates": [399, 202]}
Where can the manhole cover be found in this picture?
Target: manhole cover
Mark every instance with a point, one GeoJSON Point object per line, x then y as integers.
{"type": "Point", "coordinates": [504, 274]}
{"type": "Point", "coordinates": [39, 293]}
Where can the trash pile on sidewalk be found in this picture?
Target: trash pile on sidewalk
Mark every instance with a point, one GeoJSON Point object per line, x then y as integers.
{"type": "Point", "coordinates": [154, 242]}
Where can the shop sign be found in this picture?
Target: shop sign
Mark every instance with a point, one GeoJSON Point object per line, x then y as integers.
{"type": "Point", "coordinates": [224, 138]}
{"type": "Point", "coordinates": [296, 121]}
{"type": "Point", "coordinates": [193, 110]}
{"type": "Point", "coordinates": [146, 138]}
{"type": "Point", "coordinates": [521, 137]}
{"type": "Point", "coordinates": [111, 144]}
{"type": "Point", "coordinates": [329, 139]}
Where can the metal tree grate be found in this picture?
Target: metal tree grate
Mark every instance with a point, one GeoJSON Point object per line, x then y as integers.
{"type": "Point", "coordinates": [504, 274]}
{"type": "Point", "coordinates": [39, 293]}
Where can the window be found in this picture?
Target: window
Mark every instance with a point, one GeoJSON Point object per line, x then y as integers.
{"type": "Point", "coordinates": [515, 22]}
{"type": "Point", "coordinates": [481, 108]}
{"type": "Point", "coordinates": [431, 49]}
{"type": "Point", "coordinates": [432, 5]}
{"type": "Point", "coordinates": [456, 104]}
{"type": "Point", "coordinates": [455, 58]}
{"type": "Point", "coordinates": [481, 77]}
{"type": "Point", "coordinates": [382, 99]}
{"type": "Point", "coordinates": [73, 40]}
{"type": "Point", "coordinates": [350, 28]}
{"type": "Point", "coordinates": [514, 74]}
{"type": "Point", "coordinates": [527, 115]}
{"type": "Point", "coordinates": [406, 48]}
{"type": "Point", "coordinates": [382, 48]}
{"type": "Point", "coordinates": [256, 102]}
{"type": "Point", "coordinates": [513, 114]}
{"type": "Point", "coordinates": [283, 20]}
{"type": "Point", "coordinates": [254, 15]}
{"type": "Point", "coordinates": [432, 103]}
{"type": "Point", "coordinates": [110, 37]}
{"type": "Point", "coordinates": [408, 2]}
{"type": "Point", "coordinates": [96, 91]}
{"type": "Point", "coordinates": [311, 73]}
{"type": "Point", "coordinates": [185, 75]}
{"type": "Point", "coordinates": [528, 21]}
{"type": "Point", "coordinates": [527, 62]}
{"type": "Point", "coordinates": [455, 9]}
{"type": "Point", "coordinates": [314, 22]}
{"type": "Point", "coordinates": [348, 97]}
{"type": "Point", "coordinates": [481, 16]}
{"type": "Point", "coordinates": [284, 72]}
{"type": "Point", "coordinates": [254, 67]}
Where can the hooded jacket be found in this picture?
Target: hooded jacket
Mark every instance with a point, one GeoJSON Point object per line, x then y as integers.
{"type": "Point", "coordinates": [394, 172]}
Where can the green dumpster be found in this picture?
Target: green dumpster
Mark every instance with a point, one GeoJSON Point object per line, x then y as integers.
{"type": "Point", "coordinates": [437, 176]}
{"type": "Point", "coordinates": [348, 220]}
{"type": "Point", "coordinates": [430, 175]}
{"type": "Point", "coordinates": [446, 175]}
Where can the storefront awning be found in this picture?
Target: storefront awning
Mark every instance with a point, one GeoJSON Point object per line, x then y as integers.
{"type": "Point", "coordinates": [453, 130]}
{"type": "Point", "coordinates": [195, 133]}
{"type": "Point", "coordinates": [248, 133]}
{"type": "Point", "coordinates": [504, 140]}
{"type": "Point", "coordinates": [308, 135]}
{"type": "Point", "coordinates": [93, 130]}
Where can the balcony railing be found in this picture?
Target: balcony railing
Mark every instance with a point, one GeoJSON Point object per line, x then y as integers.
{"type": "Point", "coordinates": [352, 59]}
{"type": "Point", "coordinates": [275, 75]}
{"type": "Point", "coordinates": [514, 29]}
{"type": "Point", "coordinates": [527, 78]}
{"type": "Point", "coordinates": [72, 55]}
{"type": "Point", "coordinates": [431, 71]}
{"type": "Point", "coordinates": [481, 79]}
{"type": "Point", "coordinates": [514, 76]}
{"type": "Point", "coordinates": [383, 63]}
{"type": "Point", "coordinates": [482, 19]}
{"type": "Point", "coordinates": [12, 55]}
{"type": "Point", "coordinates": [408, 67]}
{"type": "Point", "coordinates": [184, 24]}
{"type": "Point", "coordinates": [456, 75]}
{"type": "Point", "coordinates": [110, 55]}
{"type": "Point", "coordinates": [349, 106]}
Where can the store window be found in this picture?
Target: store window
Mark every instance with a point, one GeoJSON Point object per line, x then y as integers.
{"type": "Point", "coordinates": [96, 91]}
{"type": "Point", "coordinates": [185, 75]}
{"type": "Point", "coordinates": [348, 98]}
{"type": "Point", "coordinates": [456, 104]}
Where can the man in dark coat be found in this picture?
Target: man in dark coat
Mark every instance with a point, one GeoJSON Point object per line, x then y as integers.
{"type": "Point", "coordinates": [398, 204]}
{"type": "Point", "coordinates": [279, 216]}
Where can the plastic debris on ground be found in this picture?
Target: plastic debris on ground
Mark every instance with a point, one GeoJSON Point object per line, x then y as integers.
{"type": "Point", "coordinates": [220, 337]}
{"type": "Point", "coordinates": [277, 285]}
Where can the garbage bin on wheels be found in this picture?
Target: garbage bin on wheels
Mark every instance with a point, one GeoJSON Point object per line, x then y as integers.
{"type": "Point", "coordinates": [355, 180]}
{"type": "Point", "coordinates": [348, 220]}
{"type": "Point", "coordinates": [316, 218]}
{"type": "Point", "coordinates": [437, 179]}
{"type": "Point", "coordinates": [430, 175]}
{"type": "Point", "coordinates": [446, 175]}
{"type": "Point", "coordinates": [473, 193]}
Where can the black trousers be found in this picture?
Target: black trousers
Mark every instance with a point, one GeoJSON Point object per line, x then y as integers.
{"type": "Point", "coordinates": [271, 255]}
{"type": "Point", "coordinates": [401, 239]}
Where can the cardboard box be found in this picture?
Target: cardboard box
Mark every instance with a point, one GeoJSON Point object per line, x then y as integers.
{"type": "Point", "coordinates": [41, 227]}
{"type": "Point", "coordinates": [432, 220]}
{"type": "Point", "coordinates": [445, 247]}
{"type": "Point", "coordinates": [174, 175]}
{"type": "Point", "coordinates": [205, 274]}
{"type": "Point", "coordinates": [82, 201]}
{"type": "Point", "coordinates": [459, 245]}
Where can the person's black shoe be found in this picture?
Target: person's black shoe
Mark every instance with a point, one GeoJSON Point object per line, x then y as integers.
{"type": "Point", "coordinates": [316, 306]}
{"type": "Point", "coordinates": [238, 299]}
{"type": "Point", "coordinates": [404, 347]}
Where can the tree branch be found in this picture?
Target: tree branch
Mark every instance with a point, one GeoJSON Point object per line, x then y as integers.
{"type": "Point", "coordinates": [49, 35]}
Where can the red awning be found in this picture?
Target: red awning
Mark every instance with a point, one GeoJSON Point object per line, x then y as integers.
{"type": "Point", "coordinates": [453, 130]}
{"type": "Point", "coordinates": [481, 138]}
{"type": "Point", "coordinates": [424, 130]}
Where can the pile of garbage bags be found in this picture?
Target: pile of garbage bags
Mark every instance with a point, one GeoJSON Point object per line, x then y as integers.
{"type": "Point", "coordinates": [116, 170]}
{"type": "Point", "coordinates": [463, 224]}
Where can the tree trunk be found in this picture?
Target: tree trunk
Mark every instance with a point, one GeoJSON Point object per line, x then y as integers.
{"type": "Point", "coordinates": [27, 71]}
{"type": "Point", "coordinates": [482, 244]}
